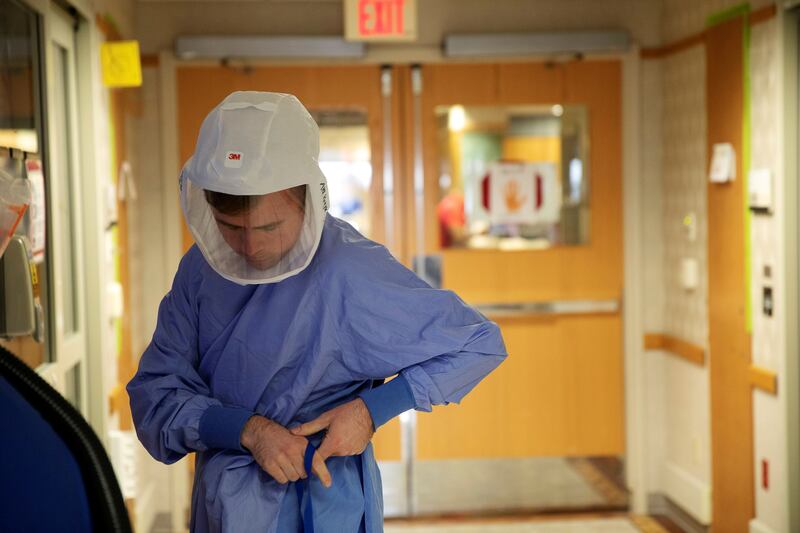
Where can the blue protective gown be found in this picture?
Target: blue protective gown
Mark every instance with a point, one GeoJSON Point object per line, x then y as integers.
{"type": "Point", "coordinates": [291, 351]}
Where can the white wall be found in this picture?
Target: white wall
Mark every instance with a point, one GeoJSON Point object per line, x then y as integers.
{"type": "Point", "coordinates": [679, 435]}
{"type": "Point", "coordinates": [769, 347]}
{"type": "Point", "coordinates": [653, 259]}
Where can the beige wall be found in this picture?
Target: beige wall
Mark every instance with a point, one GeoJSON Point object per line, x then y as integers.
{"type": "Point", "coordinates": [121, 12]}
{"type": "Point", "coordinates": [687, 17]}
{"type": "Point", "coordinates": [160, 22]}
{"type": "Point", "coordinates": [684, 474]}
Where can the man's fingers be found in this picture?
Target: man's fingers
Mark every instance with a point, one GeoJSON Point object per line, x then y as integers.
{"type": "Point", "coordinates": [299, 467]}
{"type": "Point", "coordinates": [333, 446]}
{"type": "Point", "coordinates": [289, 470]}
{"type": "Point", "coordinates": [314, 426]}
{"type": "Point", "coordinates": [277, 474]}
{"type": "Point", "coordinates": [319, 468]}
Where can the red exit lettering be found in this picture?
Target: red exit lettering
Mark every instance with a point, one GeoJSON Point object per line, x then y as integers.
{"type": "Point", "coordinates": [380, 17]}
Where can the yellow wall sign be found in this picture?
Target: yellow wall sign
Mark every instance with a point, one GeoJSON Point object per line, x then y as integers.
{"type": "Point", "coordinates": [380, 20]}
{"type": "Point", "coordinates": [121, 64]}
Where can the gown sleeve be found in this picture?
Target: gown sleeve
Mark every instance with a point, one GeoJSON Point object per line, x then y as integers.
{"type": "Point", "coordinates": [391, 322]}
{"type": "Point", "coordinates": [173, 410]}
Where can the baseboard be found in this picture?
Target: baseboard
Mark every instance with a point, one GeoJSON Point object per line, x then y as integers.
{"type": "Point", "coordinates": [660, 504]}
{"type": "Point", "coordinates": [757, 526]}
{"type": "Point", "coordinates": [692, 494]}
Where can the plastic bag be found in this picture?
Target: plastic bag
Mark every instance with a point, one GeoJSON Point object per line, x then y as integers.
{"type": "Point", "coordinates": [15, 197]}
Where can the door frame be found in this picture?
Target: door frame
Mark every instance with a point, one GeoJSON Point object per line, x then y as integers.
{"type": "Point", "coordinates": [68, 349]}
{"type": "Point", "coordinates": [87, 192]}
{"type": "Point", "coordinates": [633, 304]}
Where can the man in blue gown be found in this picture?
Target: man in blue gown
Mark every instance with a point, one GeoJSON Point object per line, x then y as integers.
{"type": "Point", "coordinates": [280, 328]}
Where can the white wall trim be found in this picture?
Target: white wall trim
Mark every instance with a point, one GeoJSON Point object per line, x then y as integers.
{"type": "Point", "coordinates": [170, 166]}
{"type": "Point", "coordinates": [633, 311]}
{"type": "Point", "coordinates": [171, 223]}
{"type": "Point", "coordinates": [93, 140]}
{"type": "Point", "coordinates": [691, 493]}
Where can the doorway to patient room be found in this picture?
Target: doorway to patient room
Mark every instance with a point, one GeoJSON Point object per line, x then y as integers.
{"type": "Point", "coordinates": [502, 182]}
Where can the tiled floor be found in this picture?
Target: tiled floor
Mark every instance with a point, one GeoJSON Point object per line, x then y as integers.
{"type": "Point", "coordinates": [536, 524]}
{"type": "Point", "coordinates": [613, 524]}
{"type": "Point", "coordinates": [616, 525]}
{"type": "Point", "coordinates": [532, 484]}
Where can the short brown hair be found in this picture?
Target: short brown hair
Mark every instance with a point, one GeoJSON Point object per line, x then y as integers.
{"type": "Point", "coordinates": [233, 204]}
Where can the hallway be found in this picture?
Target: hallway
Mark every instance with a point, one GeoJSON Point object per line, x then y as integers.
{"type": "Point", "coordinates": [543, 255]}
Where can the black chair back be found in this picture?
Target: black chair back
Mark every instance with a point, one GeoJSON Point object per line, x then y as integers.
{"type": "Point", "coordinates": [106, 505]}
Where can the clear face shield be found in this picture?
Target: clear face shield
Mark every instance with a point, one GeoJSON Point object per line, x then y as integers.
{"type": "Point", "coordinates": [252, 238]}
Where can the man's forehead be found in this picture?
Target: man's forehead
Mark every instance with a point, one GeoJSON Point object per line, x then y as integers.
{"type": "Point", "coordinates": [263, 209]}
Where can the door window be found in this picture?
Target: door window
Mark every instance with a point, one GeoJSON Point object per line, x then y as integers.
{"type": "Point", "coordinates": [513, 177]}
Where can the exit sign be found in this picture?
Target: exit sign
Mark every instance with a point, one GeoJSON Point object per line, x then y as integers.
{"type": "Point", "coordinates": [380, 20]}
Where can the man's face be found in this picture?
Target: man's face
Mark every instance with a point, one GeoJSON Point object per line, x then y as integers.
{"type": "Point", "coordinates": [266, 232]}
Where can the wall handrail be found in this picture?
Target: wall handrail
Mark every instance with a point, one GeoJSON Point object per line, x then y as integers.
{"type": "Point", "coordinates": [675, 346]}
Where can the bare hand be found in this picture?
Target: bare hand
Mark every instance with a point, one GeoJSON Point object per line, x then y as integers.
{"type": "Point", "coordinates": [349, 429]}
{"type": "Point", "coordinates": [279, 452]}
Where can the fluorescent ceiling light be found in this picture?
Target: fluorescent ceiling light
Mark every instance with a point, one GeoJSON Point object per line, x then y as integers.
{"type": "Point", "coordinates": [203, 47]}
{"type": "Point", "coordinates": [510, 44]}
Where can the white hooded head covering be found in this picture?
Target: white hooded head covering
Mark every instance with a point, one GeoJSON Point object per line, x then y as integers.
{"type": "Point", "coordinates": [254, 145]}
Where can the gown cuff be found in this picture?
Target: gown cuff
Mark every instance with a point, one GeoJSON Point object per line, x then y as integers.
{"type": "Point", "coordinates": [388, 400]}
{"type": "Point", "coordinates": [221, 427]}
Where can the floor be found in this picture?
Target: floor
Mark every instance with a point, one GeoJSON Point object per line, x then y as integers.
{"type": "Point", "coordinates": [574, 523]}
{"type": "Point", "coordinates": [550, 495]}
{"type": "Point", "coordinates": [491, 486]}
{"type": "Point", "coordinates": [614, 523]}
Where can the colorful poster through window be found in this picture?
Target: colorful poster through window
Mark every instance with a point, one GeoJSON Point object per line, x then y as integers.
{"type": "Point", "coordinates": [524, 193]}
